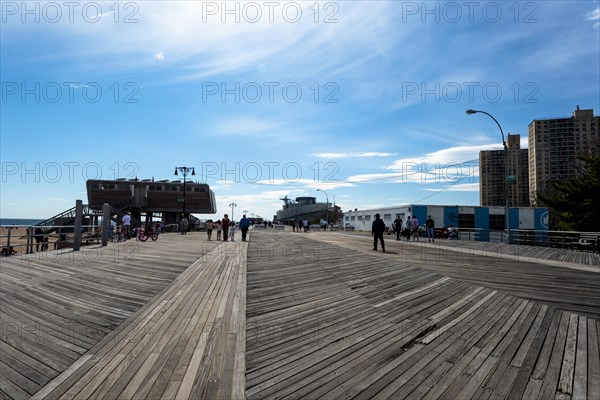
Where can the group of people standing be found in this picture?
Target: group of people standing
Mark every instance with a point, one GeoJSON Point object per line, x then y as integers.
{"type": "Point", "coordinates": [227, 228]}
{"type": "Point", "coordinates": [301, 225]}
{"type": "Point", "coordinates": [411, 229]}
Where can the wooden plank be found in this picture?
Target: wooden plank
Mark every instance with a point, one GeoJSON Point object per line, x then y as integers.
{"type": "Point", "coordinates": [501, 376]}
{"type": "Point", "coordinates": [580, 373]}
{"type": "Point", "coordinates": [485, 361]}
{"type": "Point", "coordinates": [567, 371]}
{"type": "Point", "coordinates": [529, 383]}
{"type": "Point", "coordinates": [438, 332]}
{"type": "Point", "coordinates": [414, 291]}
{"type": "Point", "coordinates": [61, 378]}
{"type": "Point", "coordinates": [517, 371]}
{"type": "Point", "coordinates": [135, 335]}
{"type": "Point", "coordinates": [18, 379]}
{"type": "Point", "coordinates": [551, 375]}
{"type": "Point", "coordinates": [593, 367]}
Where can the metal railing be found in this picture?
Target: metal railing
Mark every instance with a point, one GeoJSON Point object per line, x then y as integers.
{"type": "Point", "coordinates": [23, 239]}
{"type": "Point", "coordinates": [529, 237]}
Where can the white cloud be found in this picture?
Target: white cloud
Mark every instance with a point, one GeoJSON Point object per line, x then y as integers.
{"type": "Point", "coordinates": [308, 183]}
{"type": "Point", "coordinates": [160, 56]}
{"type": "Point", "coordinates": [445, 157]}
{"type": "Point", "coordinates": [447, 165]}
{"type": "Point", "coordinates": [594, 16]}
{"type": "Point", "coordinates": [461, 187]}
{"type": "Point", "coordinates": [351, 155]}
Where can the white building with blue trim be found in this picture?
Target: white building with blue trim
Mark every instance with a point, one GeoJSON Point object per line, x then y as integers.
{"type": "Point", "coordinates": [481, 219]}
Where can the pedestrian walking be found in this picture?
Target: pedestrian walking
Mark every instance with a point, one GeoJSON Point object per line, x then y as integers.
{"type": "Point", "coordinates": [184, 225]}
{"type": "Point", "coordinates": [126, 220]}
{"type": "Point", "coordinates": [430, 225]}
{"type": "Point", "coordinates": [397, 227]}
{"type": "Point", "coordinates": [244, 226]}
{"type": "Point", "coordinates": [408, 228]}
{"type": "Point", "coordinates": [219, 230]}
{"type": "Point", "coordinates": [415, 231]}
{"type": "Point", "coordinates": [209, 229]}
{"type": "Point", "coordinates": [225, 222]}
{"type": "Point", "coordinates": [377, 229]}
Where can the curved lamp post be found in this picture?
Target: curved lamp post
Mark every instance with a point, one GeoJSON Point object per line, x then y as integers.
{"type": "Point", "coordinates": [184, 171]}
{"type": "Point", "coordinates": [506, 184]}
{"type": "Point", "coordinates": [327, 199]}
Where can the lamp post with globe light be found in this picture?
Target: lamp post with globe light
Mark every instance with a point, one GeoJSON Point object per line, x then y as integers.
{"type": "Point", "coordinates": [184, 171]}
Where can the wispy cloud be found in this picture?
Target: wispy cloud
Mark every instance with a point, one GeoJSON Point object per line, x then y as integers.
{"type": "Point", "coordinates": [308, 183]}
{"type": "Point", "coordinates": [461, 187]}
{"type": "Point", "coordinates": [160, 56]}
{"type": "Point", "coordinates": [449, 165]}
{"type": "Point", "coordinates": [594, 16]}
{"type": "Point", "coordinates": [445, 157]}
{"type": "Point", "coordinates": [351, 155]}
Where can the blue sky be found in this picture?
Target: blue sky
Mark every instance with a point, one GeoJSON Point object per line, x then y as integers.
{"type": "Point", "coordinates": [363, 99]}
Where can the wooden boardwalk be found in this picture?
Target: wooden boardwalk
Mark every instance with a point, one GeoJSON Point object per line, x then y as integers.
{"type": "Point", "coordinates": [541, 254]}
{"type": "Point", "coordinates": [56, 306]}
{"type": "Point", "coordinates": [188, 342]}
{"type": "Point", "coordinates": [542, 280]}
{"type": "Point", "coordinates": [325, 322]}
{"type": "Point", "coordinates": [315, 315]}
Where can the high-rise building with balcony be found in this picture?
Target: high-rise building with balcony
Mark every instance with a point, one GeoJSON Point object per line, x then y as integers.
{"type": "Point", "coordinates": [554, 147]}
{"type": "Point", "coordinates": [493, 175]}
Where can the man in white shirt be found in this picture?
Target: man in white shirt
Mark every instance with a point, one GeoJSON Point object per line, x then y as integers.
{"type": "Point", "coordinates": [126, 220]}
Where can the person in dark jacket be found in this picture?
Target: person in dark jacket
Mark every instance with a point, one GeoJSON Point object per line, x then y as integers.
{"type": "Point", "coordinates": [244, 225]}
{"type": "Point", "coordinates": [377, 230]}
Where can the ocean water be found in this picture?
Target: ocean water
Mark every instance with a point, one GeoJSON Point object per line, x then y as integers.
{"type": "Point", "coordinates": [19, 221]}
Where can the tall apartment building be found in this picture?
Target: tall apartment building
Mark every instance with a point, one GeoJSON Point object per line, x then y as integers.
{"type": "Point", "coordinates": [493, 175]}
{"type": "Point", "coordinates": [555, 144]}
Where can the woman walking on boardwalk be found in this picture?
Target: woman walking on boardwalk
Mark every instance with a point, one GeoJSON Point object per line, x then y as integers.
{"type": "Point", "coordinates": [219, 230]}
{"type": "Point", "coordinates": [225, 222]}
{"type": "Point", "coordinates": [209, 229]}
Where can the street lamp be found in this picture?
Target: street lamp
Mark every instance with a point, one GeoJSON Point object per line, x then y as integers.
{"type": "Point", "coordinates": [506, 183]}
{"type": "Point", "coordinates": [327, 197]}
{"type": "Point", "coordinates": [232, 205]}
{"type": "Point", "coordinates": [184, 171]}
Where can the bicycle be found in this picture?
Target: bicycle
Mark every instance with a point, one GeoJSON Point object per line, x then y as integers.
{"type": "Point", "coordinates": [145, 234]}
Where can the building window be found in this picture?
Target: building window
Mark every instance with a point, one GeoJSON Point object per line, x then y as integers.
{"type": "Point", "coordinates": [352, 218]}
{"type": "Point", "coordinates": [466, 220]}
{"type": "Point", "coordinates": [387, 217]}
{"type": "Point", "coordinates": [497, 222]}
{"type": "Point", "coordinates": [367, 218]}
